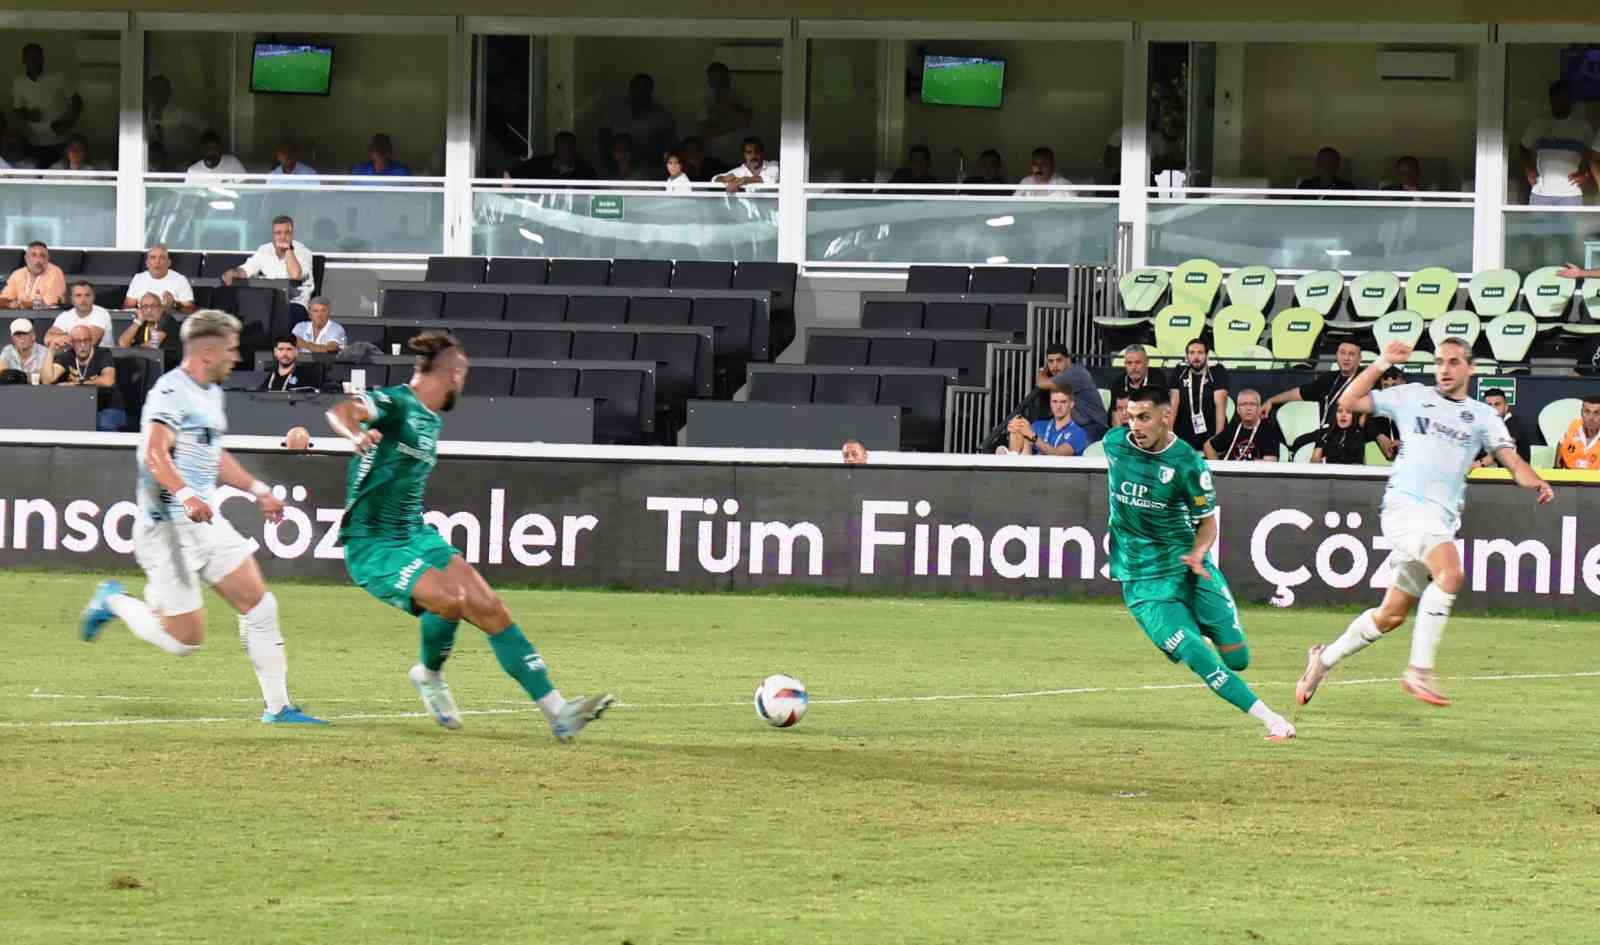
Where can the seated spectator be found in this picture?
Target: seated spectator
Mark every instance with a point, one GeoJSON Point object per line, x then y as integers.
{"type": "Point", "coordinates": [298, 439]}
{"type": "Point", "coordinates": [1137, 374]}
{"type": "Point", "coordinates": [991, 170]}
{"type": "Point", "coordinates": [85, 363]}
{"type": "Point", "coordinates": [1059, 373]}
{"type": "Point", "coordinates": [1342, 442]}
{"type": "Point", "coordinates": [1042, 179]}
{"type": "Point", "coordinates": [1496, 398]}
{"type": "Point", "coordinates": [1199, 396]}
{"type": "Point", "coordinates": [1326, 389]}
{"type": "Point", "coordinates": [320, 332]}
{"type": "Point", "coordinates": [289, 163]}
{"type": "Point", "coordinates": [677, 181]}
{"type": "Point", "coordinates": [918, 169]}
{"type": "Point", "coordinates": [1580, 446]}
{"type": "Point", "coordinates": [24, 353]}
{"type": "Point", "coordinates": [1587, 363]}
{"type": "Point", "coordinates": [1407, 175]}
{"type": "Point", "coordinates": [76, 157]}
{"type": "Point", "coordinates": [1250, 437]}
{"type": "Point", "coordinates": [1329, 162]}
{"type": "Point", "coordinates": [562, 164]}
{"type": "Point", "coordinates": [756, 169]}
{"type": "Point", "coordinates": [854, 453]}
{"type": "Point", "coordinates": [213, 161]}
{"type": "Point", "coordinates": [1119, 412]}
{"type": "Point", "coordinates": [648, 127]}
{"type": "Point", "coordinates": [152, 327]}
{"type": "Point", "coordinates": [380, 160]}
{"type": "Point", "coordinates": [622, 163]}
{"type": "Point", "coordinates": [40, 283]}
{"type": "Point", "coordinates": [172, 288]}
{"type": "Point", "coordinates": [1057, 436]}
{"type": "Point", "coordinates": [83, 312]}
{"type": "Point", "coordinates": [700, 166]}
{"type": "Point", "coordinates": [1382, 430]}
{"type": "Point", "coordinates": [284, 257]}
{"type": "Point", "coordinates": [284, 374]}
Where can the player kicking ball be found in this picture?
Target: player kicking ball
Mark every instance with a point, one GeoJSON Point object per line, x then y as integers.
{"type": "Point", "coordinates": [391, 552]}
{"type": "Point", "coordinates": [1441, 433]}
{"type": "Point", "coordinates": [179, 540]}
{"type": "Point", "coordinates": [1163, 524]}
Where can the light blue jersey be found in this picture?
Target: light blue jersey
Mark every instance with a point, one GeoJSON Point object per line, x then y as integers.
{"type": "Point", "coordinates": [196, 416]}
{"type": "Point", "coordinates": [1439, 439]}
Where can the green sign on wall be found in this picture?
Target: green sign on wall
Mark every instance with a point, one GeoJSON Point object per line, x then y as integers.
{"type": "Point", "coordinates": [1508, 385]}
{"type": "Point", "coordinates": [605, 208]}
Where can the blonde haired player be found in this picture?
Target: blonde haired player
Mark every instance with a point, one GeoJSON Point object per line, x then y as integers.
{"type": "Point", "coordinates": [1441, 433]}
{"type": "Point", "coordinates": [179, 540]}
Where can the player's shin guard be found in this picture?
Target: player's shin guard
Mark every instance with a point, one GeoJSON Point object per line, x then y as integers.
{"type": "Point", "coordinates": [521, 662]}
{"type": "Point", "coordinates": [1237, 659]}
{"type": "Point", "coordinates": [1204, 663]}
{"type": "Point", "coordinates": [438, 638]}
{"type": "Point", "coordinates": [144, 624]}
{"type": "Point", "coordinates": [1432, 613]}
{"type": "Point", "coordinates": [263, 641]}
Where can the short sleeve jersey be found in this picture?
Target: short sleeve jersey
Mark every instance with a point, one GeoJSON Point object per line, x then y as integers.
{"type": "Point", "coordinates": [1440, 438]}
{"type": "Point", "coordinates": [1578, 451]}
{"type": "Point", "coordinates": [384, 489]}
{"type": "Point", "coordinates": [1157, 497]}
{"type": "Point", "coordinates": [196, 416]}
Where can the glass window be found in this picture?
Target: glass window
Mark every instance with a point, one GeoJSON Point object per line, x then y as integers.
{"type": "Point", "coordinates": [1552, 117]}
{"type": "Point", "coordinates": [63, 98]}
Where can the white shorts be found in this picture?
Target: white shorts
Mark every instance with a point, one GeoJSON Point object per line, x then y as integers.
{"type": "Point", "coordinates": [177, 558]}
{"type": "Point", "coordinates": [1412, 533]}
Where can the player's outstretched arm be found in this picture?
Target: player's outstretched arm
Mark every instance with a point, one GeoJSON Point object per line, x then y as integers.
{"type": "Point", "coordinates": [1205, 535]}
{"type": "Point", "coordinates": [1357, 395]}
{"type": "Point", "coordinates": [347, 419]}
{"type": "Point", "coordinates": [232, 473]}
{"type": "Point", "coordinates": [1523, 474]}
{"type": "Point", "coordinates": [158, 444]}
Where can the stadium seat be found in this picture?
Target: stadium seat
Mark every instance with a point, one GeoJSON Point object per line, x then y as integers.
{"type": "Point", "coordinates": [554, 345]}
{"type": "Point", "coordinates": [782, 388]}
{"type": "Point", "coordinates": [901, 352]}
{"type": "Point", "coordinates": [732, 320]}
{"type": "Point", "coordinates": [187, 264]}
{"type": "Point", "coordinates": [921, 399]}
{"type": "Point", "coordinates": [674, 354]}
{"type": "Point", "coordinates": [512, 270]}
{"type": "Point", "coordinates": [702, 274]}
{"type": "Point", "coordinates": [545, 382]}
{"type": "Point", "coordinates": [484, 343]}
{"type": "Point", "coordinates": [1195, 284]}
{"type": "Point", "coordinates": [1009, 317]}
{"type": "Point", "coordinates": [845, 389]}
{"type": "Point", "coordinates": [658, 310]}
{"type": "Point", "coordinates": [1000, 280]}
{"type": "Point", "coordinates": [968, 358]}
{"type": "Point", "coordinates": [489, 381]}
{"type": "Point", "coordinates": [1375, 456]}
{"type": "Point", "coordinates": [1319, 291]}
{"type": "Point", "coordinates": [412, 303]}
{"type": "Point", "coordinates": [1236, 328]}
{"type": "Point", "coordinates": [620, 415]}
{"type": "Point", "coordinates": [262, 310]}
{"type": "Point", "coordinates": [1051, 280]}
{"type": "Point", "coordinates": [1556, 416]}
{"type": "Point", "coordinates": [1397, 326]}
{"type": "Point", "coordinates": [1510, 337]}
{"type": "Point", "coordinates": [1176, 326]}
{"type": "Point", "coordinates": [522, 307]}
{"type": "Point", "coordinates": [1372, 294]}
{"type": "Point", "coordinates": [823, 348]}
{"type": "Point", "coordinates": [881, 313]}
{"type": "Point", "coordinates": [1097, 448]}
{"type": "Point", "coordinates": [466, 269]}
{"type": "Point", "coordinates": [603, 345]}
{"type": "Point", "coordinates": [111, 262]}
{"type": "Point", "coordinates": [1589, 301]}
{"type": "Point", "coordinates": [1105, 397]}
{"type": "Point", "coordinates": [1548, 295]}
{"type": "Point", "coordinates": [1542, 457]}
{"type": "Point", "coordinates": [474, 306]}
{"type": "Point", "coordinates": [598, 309]}
{"type": "Point", "coordinates": [1457, 324]}
{"type": "Point", "coordinates": [1485, 367]}
{"type": "Point", "coordinates": [1431, 292]}
{"type": "Point", "coordinates": [1419, 362]}
{"type": "Point", "coordinates": [1294, 334]}
{"type": "Point", "coordinates": [70, 260]}
{"type": "Point", "coordinates": [774, 277]}
{"type": "Point", "coordinates": [1494, 291]}
{"type": "Point", "coordinates": [213, 265]}
{"type": "Point", "coordinates": [1142, 292]}
{"type": "Point", "coordinates": [1297, 418]}
{"type": "Point", "coordinates": [641, 273]}
{"type": "Point", "coordinates": [1251, 358]}
{"type": "Point", "coordinates": [938, 280]}
{"type": "Point", "coordinates": [580, 272]}
{"type": "Point", "coordinates": [956, 316]}
{"type": "Point", "coordinates": [360, 330]}
{"type": "Point", "coordinates": [1252, 287]}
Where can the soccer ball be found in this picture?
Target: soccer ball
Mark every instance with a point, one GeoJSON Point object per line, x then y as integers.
{"type": "Point", "coordinates": [781, 700]}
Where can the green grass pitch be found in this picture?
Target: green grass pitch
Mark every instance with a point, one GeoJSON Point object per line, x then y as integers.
{"type": "Point", "coordinates": [970, 771]}
{"type": "Point", "coordinates": [293, 72]}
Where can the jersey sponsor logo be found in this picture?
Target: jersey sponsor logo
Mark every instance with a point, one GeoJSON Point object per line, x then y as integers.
{"type": "Point", "coordinates": [1466, 416]}
{"type": "Point", "coordinates": [403, 579]}
{"type": "Point", "coordinates": [1426, 426]}
{"type": "Point", "coordinates": [1137, 495]}
{"type": "Point", "coordinates": [1200, 501]}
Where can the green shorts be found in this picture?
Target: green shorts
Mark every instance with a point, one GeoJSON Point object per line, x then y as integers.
{"type": "Point", "coordinates": [388, 568]}
{"type": "Point", "coordinates": [1169, 608]}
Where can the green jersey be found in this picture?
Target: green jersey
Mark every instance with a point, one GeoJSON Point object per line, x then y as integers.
{"type": "Point", "coordinates": [384, 488]}
{"type": "Point", "coordinates": [1156, 499]}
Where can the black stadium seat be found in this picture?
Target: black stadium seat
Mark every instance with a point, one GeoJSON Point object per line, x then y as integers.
{"type": "Point", "coordinates": [674, 355]}
{"type": "Point", "coordinates": [489, 381]}
{"type": "Point", "coordinates": [782, 388]}
{"type": "Point", "coordinates": [956, 316]}
{"type": "Point", "coordinates": [602, 345]}
{"type": "Point", "coordinates": [618, 418]}
{"type": "Point", "coordinates": [845, 389]}
{"type": "Point", "coordinates": [475, 306]}
{"type": "Point", "coordinates": [187, 264]}
{"type": "Point", "coordinates": [879, 313]}
{"type": "Point", "coordinates": [535, 308]}
{"type": "Point", "coordinates": [1051, 280]}
{"type": "Point", "coordinates": [555, 345]}
{"type": "Point", "coordinates": [1009, 316]}
{"type": "Point", "coordinates": [655, 310]}
{"type": "Point", "coordinates": [470, 269]}
{"type": "Point", "coordinates": [113, 262]}
{"type": "Point", "coordinates": [263, 311]}
{"type": "Point", "coordinates": [412, 303]}
{"type": "Point", "coordinates": [943, 280]}
{"type": "Point", "coordinates": [70, 260]}
{"type": "Point", "coordinates": [595, 272]}
{"type": "Point", "coordinates": [922, 424]}
{"type": "Point", "coordinates": [641, 273]}
{"type": "Point", "coordinates": [901, 352]}
{"type": "Point", "coordinates": [731, 319]}
{"type": "Point", "coordinates": [702, 274]}
{"type": "Point", "coordinates": [1000, 280]}
{"type": "Point", "coordinates": [511, 270]}
{"type": "Point", "coordinates": [545, 382]}
{"type": "Point", "coordinates": [215, 264]}
{"type": "Point", "coordinates": [967, 357]}
{"type": "Point", "coordinates": [834, 349]}
{"type": "Point", "coordinates": [598, 309]}
{"type": "Point", "coordinates": [355, 330]}
{"type": "Point", "coordinates": [485, 343]}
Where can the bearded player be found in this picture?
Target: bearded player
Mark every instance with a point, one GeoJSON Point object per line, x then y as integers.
{"type": "Point", "coordinates": [391, 552]}
{"type": "Point", "coordinates": [1163, 526]}
{"type": "Point", "coordinates": [1441, 433]}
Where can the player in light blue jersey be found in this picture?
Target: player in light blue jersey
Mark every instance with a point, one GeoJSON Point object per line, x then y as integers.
{"type": "Point", "coordinates": [179, 539]}
{"type": "Point", "coordinates": [1441, 433]}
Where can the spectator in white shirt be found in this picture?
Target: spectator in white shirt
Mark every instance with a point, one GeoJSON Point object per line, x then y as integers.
{"type": "Point", "coordinates": [289, 163]}
{"type": "Point", "coordinates": [82, 312]}
{"type": "Point", "coordinates": [1042, 179]}
{"type": "Point", "coordinates": [1553, 149]}
{"type": "Point", "coordinates": [320, 332]}
{"type": "Point", "coordinates": [756, 169]}
{"type": "Point", "coordinates": [213, 161]}
{"type": "Point", "coordinates": [76, 157]}
{"type": "Point", "coordinates": [677, 181]}
{"type": "Point", "coordinates": [47, 103]}
{"type": "Point", "coordinates": [158, 279]}
{"type": "Point", "coordinates": [24, 353]}
{"type": "Point", "coordinates": [283, 258]}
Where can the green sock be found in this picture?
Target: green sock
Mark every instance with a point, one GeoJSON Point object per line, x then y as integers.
{"type": "Point", "coordinates": [1236, 660]}
{"type": "Point", "coordinates": [521, 662]}
{"type": "Point", "coordinates": [438, 637]}
{"type": "Point", "coordinates": [1203, 661]}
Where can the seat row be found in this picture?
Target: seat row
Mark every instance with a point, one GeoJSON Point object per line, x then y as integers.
{"type": "Point", "coordinates": [910, 311]}
{"type": "Point", "coordinates": [918, 392]}
{"type": "Point", "coordinates": [777, 278]}
{"type": "Point", "coordinates": [113, 267]}
{"type": "Point", "coordinates": [1054, 281]}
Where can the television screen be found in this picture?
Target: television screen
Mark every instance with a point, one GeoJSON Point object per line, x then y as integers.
{"type": "Point", "coordinates": [293, 68]}
{"type": "Point", "coordinates": [962, 80]}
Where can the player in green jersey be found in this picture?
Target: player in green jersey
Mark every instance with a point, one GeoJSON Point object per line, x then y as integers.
{"type": "Point", "coordinates": [1163, 525]}
{"type": "Point", "coordinates": [400, 560]}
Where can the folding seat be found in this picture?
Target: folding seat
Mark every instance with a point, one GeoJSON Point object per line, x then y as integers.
{"type": "Point", "coordinates": [1052, 280]}
{"type": "Point", "coordinates": [187, 264]}
{"type": "Point", "coordinates": [1556, 416]}
{"type": "Point", "coordinates": [620, 415]}
{"type": "Point", "coordinates": [1176, 326]}
{"type": "Point", "coordinates": [968, 358]}
{"type": "Point", "coordinates": [674, 355]}
{"type": "Point", "coordinates": [598, 309]}
{"type": "Point", "coordinates": [732, 320]}
{"type": "Point", "coordinates": [901, 352]}
{"type": "Point", "coordinates": [921, 397]}
{"type": "Point", "coordinates": [1457, 324]}
{"type": "Point", "coordinates": [1431, 292]}
{"type": "Point", "coordinates": [859, 389]}
{"type": "Point", "coordinates": [412, 303]}
{"type": "Point", "coordinates": [1000, 280]}
{"type": "Point", "coordinates": [554, 345]}
{"type": "Point", "coordinates": [474, 306]}
{"type": "Point", "coordinates": [1403, 326]}
{"type": "Point", "coordinates": [781, 387]}
{"type": "Point", "coordinates": [938, 280]}
{"type": "Point", "coordinates": [545, 382]}
{"type": "Point", "coordinates": [1548, 295]}
{"type": "Point", "coordinates": [1141, 292]}
{"type": "Point", "coordinates": [357, 330]}
{"type": "Point", "coordinates": [514, 270]}
{"type": "Point", "coordinates": [596, 272]}
{"type": "Point", "coordinates": [489, 381]}
{"type": "Point", "coordinates": [469, 269]}
{"type": "Point", "coordinates": [1510, 336]}
{"type": "Point", "coordinates": [1236, 328]}
{"type": "Point", "coordinates": [521, 307]}
{"type": "Point", "coordinates": [1373, 295]}
{"type": "Point", "coordinates": [1589, 296]}
{"type": "Point", "coordinates": [1009, 316]}
{"type": "Point", "coordinates": [824, 348]}
{"type": "Point", "coordinates": [1494, 291]}
{"type": "Point", "coordinates": [1319, 291]}
{"type": "Point", "coordinates": [956, 316]}
{"type": "Point", "coordinates": [702, 274]}
{"type": "Point", "coordinates": [1252, 287]}
{"type": "Point", "coordinates": [110, 262]}
{"type": "Point", "coordinates": [484, 343]}
{"type": "Point", "coordinates": [659, 310]}
{"type": "Point", "coordinates": [1196, 284]}
{"type": "Point", "coordinates": [1294, 335]}
{"type": "Point", "coordinates": [213, 265]}
{"type": "Point", "coordinates": [641, 273]}
{"type": "Point", "coordinates": [883, 314]}
{"type": "Point", "coordinates": [602, 345]}
{"type": "Point", "coordinates": [70, 260]}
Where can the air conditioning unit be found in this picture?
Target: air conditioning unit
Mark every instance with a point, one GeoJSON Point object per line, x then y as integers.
{"type": "Point", "coordinates": [1417, 65]}
{"type": "Point", "coordinates": [767, 57]}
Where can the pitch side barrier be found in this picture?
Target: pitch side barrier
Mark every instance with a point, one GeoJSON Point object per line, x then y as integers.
{"type": "Point", "coordinates": [730, 519]}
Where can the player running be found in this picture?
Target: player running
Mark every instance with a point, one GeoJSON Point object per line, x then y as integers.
{"type": "Point", "coordinates": [400, 560]}
{"type": "Point", "coordinates": [1441, 433]}
{"type": "Point", "coordinates": [1163, 524]}
{"type": "Point", "coordinates": [179, 540]}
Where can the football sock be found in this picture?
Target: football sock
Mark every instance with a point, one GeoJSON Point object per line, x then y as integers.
{"type": "Point", "coordinates": [1237, 660]}
{"type": "Point", "coordinates": [1362, 633]}
{"type": "Point", "coordinates": [438, 638]}
{"type": "Point", "coordinates": [145, 625]}
{"type": "Point", "coordinates": [263, 641]}
{"type": "Point", "coordinates": [1202, 660]}
{"type": "Point", "coordinates": [1267, 717]}
{"type": "Point", "coordinates": [522, 663]}
{"type": "Point", "coordinates": [1432, 613]}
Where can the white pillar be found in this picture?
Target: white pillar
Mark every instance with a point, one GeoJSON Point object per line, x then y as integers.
{"type": "Point", "coordinates": [1489, 174]}
{"type": "Point", "coordinates": [792, 158]}
{"type": "Point", "coordinates": [459, 159]}
{"type": "Point", "coordinates": [132, 154]}
{"type": "Point", "coordinates": [1132, 196]}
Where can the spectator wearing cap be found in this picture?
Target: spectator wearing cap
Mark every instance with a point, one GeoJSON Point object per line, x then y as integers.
{"type": "Point", "coordinates": [1060, 373]}
{"type": "Point", "coordinates": [1199, 396]}
{"type": "Point", "coordinates": [320, 333]}
{"type": "Point", "coordinates": [151, 327]}
{"type": "Point", "coordinates": [40, 283]}
{"type": "Point", "coordinates": [1496, 398]}
{"type": "Point", "coordinates": [82, 312]}
{"type": "Point", "coordinates": [1250, 437]}
{"type": "Point", "coordinates": [1057, 436]}
{"type": "Point", "coordinates": [854, 453]}
{"type": "Point", "coordinates": [24, 353]}
{"type": "Point", "coordinates": [86, 364]}
{"type": "Point", "coordinates": [1580, 446]}
{"type": "Point", "coordinates": [170, 287]}
{"type": "Point", "coordinates": [1137, 374]}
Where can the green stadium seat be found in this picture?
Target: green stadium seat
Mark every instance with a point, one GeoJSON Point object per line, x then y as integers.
{"type": "Point", "coordinates": [1556, 416]}
{"type": "Point", "coordinates": [1297, 418]}
{"type": "Point", "coordinates": [1251, 358]}
{"type": "Point", "coordinates": [1236, 328]}
{"type": "Point", "coordinates": [1485, 367]}
{"type": "Point", "coordinates": [1398, 326]}
{"type": "Point", "coordinates": [1542, 457]}
{"type": "Point", "coordinates": [1459, 324]}
{"type": "Point", "coordinates": [1294, 334]}
{"type": "Point", "coordinates": [1195, 285]}
{"type": "Point", "coordinates": [1319, 291]}
{"type": "Point", "coordinates": [1096, 448]}
{"type": "Point", "coordinates": [1142, 291]}
{"type": "Point", "coordinates": [1176, 326]}
{"type": "Point", "coordinates": [1105, 397]}
{"type": "Point", "coordinates": [1252, 286]}
{"type": "Point", "coordinates": [1372, 294]}
{"type": "Point", "coordinates": [1303, 454]}
{"type": "Point", "coordinates": [1549, 296]}
{"type": "Point", "coordinates": [1375, 456]}
{"type": "Point", "coordinates": [1589, 297]}
{"type": "Point", "coordinates": [1431, 292]}
{"type": "Point", "coordinates": [1420, 362]}
{"type": "Point", "coordinates": [1510, 337]}
{"type": "Point", "coordinates": [1494, 291]}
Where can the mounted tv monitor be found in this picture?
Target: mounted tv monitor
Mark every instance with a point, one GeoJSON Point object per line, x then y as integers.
{"type": "Point", "coordinates": [292, 68]}
{"type": "Point", "coordinates": [972, 81]}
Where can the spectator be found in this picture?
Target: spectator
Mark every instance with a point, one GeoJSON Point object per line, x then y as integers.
{"type": "Point", "coordinates": [76, 157]}
{"type": "Point", "coordinates": [854, 453]}
{"type": "Point", "coordinates": [724, 117]}
{"type": "Point", "coordinates": [1329, 162]}
{"type": "Point", "coordinates": [1326, 389]}
{"type": "Point", "coordinates": [320, 333]}
{"type": "Point", "coordinates": [1587, 363]}
{"type": "Point", "coordinates": [83, 312]}
{"type": "Point", "coordinates": [1119, 412]}
{"type": "Point", "coordinates": [918, 169]}
{"type": "Point", "coordinates": [1057, 436]}
{"type": "Point", "coordinates": [1580, 447]}
{"type": "Point", "coordinates": [24, 353]}
{"type": "Point", "coordinates": [1250, 437]}
{"type": "Point", "coordinates": [40, 283]}
{"type": "Point", "coordinates": [1496, 398]}
{"type": "Point", "coordinates": [212, 159]}
{"type": "Point", "coordinates": [1059, 373]}
{"type": "Point", "coordinates": [1407, 175]}
{"type": "Point", "coordinates": [1137, 374]}
{"type": "Point", "coordinates": [87, 364]}
{"type": "Point", "coordinates": [47, 104]}
{"type": "Point", "coordinates": [1042, 179]}
{"type": "Point", "coordinates": [991, 170]}
{"type": "Point", "coordinates": [700, 167]}
{"type": "Point", "coordinates": [1571, 271]}
{"type": "Point", "coordinates": [284, 374]}
{"type": "Point", "coordinates": [283, 258]}
{"type": "Point", "coordinates": [650, 129]}
{"type": "Point", "coordinates": [1552, 149]}
{"type": "Point", "coordinates": [678, 182]}
{"type": "Point", "coordinates": [380, 160]}
{"type": "Point", "coordinates": [14, 152]}
{"type": "Point", "coordinates": [1199, 397]}
{"type": "Point", "coordinates": [623, 165]}
{"type": "Point", "coordinates": [756, 169]}
{"type": "Point", "coordinates": [1382, 430]}
{"type": "Point", "coordinates": [172, 288]}
{"type": "Point", "coordinates": [1341, 442]}
{"type": "Point", "coordinates": [152, 327]}
{"type": "Point", "coordinates": [298, 439]}
{"type": "Point", "coordinates": [562, 164]}
{"type": "Point", "coordinates": [289, 163]}
{"type": "Point", "coordinates": [172, 131]}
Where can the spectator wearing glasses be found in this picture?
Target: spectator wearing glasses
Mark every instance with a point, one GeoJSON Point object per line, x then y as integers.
{"type": "Point", "coordinates": [24, 353]}
{"type": "Point", "coordinates": [152, 327]}
{"type": "Point", "coordinates": [83, 312]}
{"type": "Point", "coordinates": [86, 364]}
{"type": "Point", "coordinates": [159, 279]}
{"type": "Point", "coordinates": [1056, 436]}
{"type": "Point", "coordinates": [39, 284]}
{"type": "Point", "coordinates": [1250, 437]}
{"type": "Point", "coordinates": [1342, 442]}
{"type": "Point", "coordinates": [1199, 397]}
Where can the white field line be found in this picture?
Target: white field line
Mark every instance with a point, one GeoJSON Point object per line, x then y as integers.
{"type": "Point", "coordinates": [523, 707]}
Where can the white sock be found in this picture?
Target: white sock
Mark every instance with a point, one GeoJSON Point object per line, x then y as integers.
{"type": "Point", "coordinates": [258, 630]}
{"type": "Point", "coordinates": [431, 675]}
{"type": "Point", "coordinates": [1267, 716]}
{"type": "Point", "coordinates": [145, 625]}
{"type": "Point", "coordinates": [1362, 633]}
{"type": "Point", "coordinates": [551, 705]}
{"type": "Point", "coordinates": [1432, 613]}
